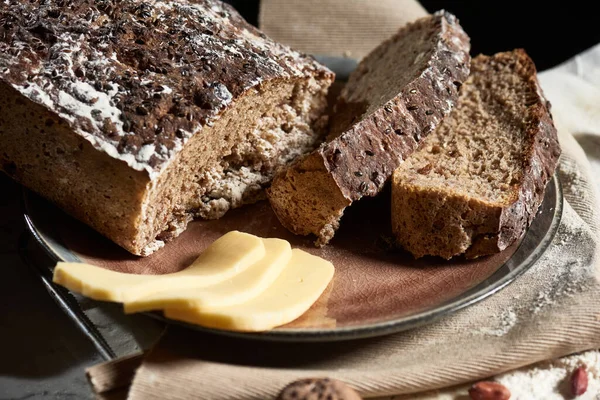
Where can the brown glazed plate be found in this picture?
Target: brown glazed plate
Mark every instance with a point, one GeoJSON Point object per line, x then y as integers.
{"type": "Point", "coordinates": [376, 290]}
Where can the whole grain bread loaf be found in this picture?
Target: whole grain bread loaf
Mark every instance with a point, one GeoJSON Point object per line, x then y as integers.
{"type": "Point", "coordinates": [476, 183]}
{"type": "Point", "coordinates": [398, 94]}
{"type": "Point", "coordinates": [137, 116]}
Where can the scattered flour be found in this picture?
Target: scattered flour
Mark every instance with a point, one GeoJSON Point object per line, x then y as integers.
{"type": "Point", "coordinates": [549, 380]}
{"type": "Point", "coordinates": [562, 273]}
{"type": "Point", "coordinates": [507, 319]}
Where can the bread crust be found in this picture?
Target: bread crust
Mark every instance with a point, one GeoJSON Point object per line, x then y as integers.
{"type": "Point", "coordinates": [359, 156]}
{"type": "Point", "coordinates": [437, 221]}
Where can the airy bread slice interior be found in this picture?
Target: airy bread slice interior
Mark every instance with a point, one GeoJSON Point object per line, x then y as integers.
{"type": "Point", "coordinates": [397, 95]}
{"type": "Point", "coordinates": [476, 183]}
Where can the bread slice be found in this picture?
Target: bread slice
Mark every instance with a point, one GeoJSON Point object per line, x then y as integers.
{"type": "Point", "coordinates": [397, 95]}
{"type": "Point", "coordinates": [136, 116]}
{"type": "Point", "coordinates": [476, 183]}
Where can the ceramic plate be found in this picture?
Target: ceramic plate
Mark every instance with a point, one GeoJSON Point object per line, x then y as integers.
{"type": "Point", "coordinates": [376, 290]}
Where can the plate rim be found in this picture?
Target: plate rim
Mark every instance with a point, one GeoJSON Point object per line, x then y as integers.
{"type": "Point", "coordinates": [476, 294]}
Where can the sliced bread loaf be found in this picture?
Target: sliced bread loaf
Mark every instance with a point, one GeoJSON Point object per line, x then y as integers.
{"type": "Point", "coordinates": [476, 183]}
{"type": "Point", "coordinates": [397, 95]}
{"type": "Point", "coordinates": [137, 116]}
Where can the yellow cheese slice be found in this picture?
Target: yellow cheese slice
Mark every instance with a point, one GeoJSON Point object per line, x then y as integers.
{"type": "Point", "coordinates": [237, 290]}
{"type": "Point", "coordinates": [296, 289]}
{"type": "Point", "coordinates": [226, 257]}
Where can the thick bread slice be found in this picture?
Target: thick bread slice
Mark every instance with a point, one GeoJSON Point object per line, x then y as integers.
{"type": "Point", "coordinates": [476, 183]}
{"type": "Point", "coordinates": [398, 94]}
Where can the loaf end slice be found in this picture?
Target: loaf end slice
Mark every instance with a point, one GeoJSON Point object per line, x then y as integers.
{"type": "Point", "coordinates": [398, 94]}
{"type": "Point", "coordinates": [476, 183]}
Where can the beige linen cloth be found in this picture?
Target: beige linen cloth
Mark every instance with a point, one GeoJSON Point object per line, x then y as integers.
{"type": "Point", "coordinates": [349, 28]}
{"type": "Point", "coordinates": [550, 311]}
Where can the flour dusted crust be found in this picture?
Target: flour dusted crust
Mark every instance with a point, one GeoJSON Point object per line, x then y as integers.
{"type": "Point", "coordinates": [477, 182]}
{"type": "Point", "coordinates": [138, 82]}
{"type": "Point", "coordinates": [398, 94]}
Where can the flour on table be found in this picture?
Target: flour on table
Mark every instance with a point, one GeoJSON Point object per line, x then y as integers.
{"type": "Point", "coordinates": [563, 272]}
{"type": "Point", "coordinates": [507, 319]}
{"type": "Point", "coordinates": [549, 380]}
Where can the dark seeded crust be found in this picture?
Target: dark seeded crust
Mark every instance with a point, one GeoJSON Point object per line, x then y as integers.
{"type": "Point", "coordinates": [129, 114]}
{"type": "Point", "coordinates": [141, 49]}
{"type": "Point", "coordinates": [360, 156]}
{"type": "Point", "coordinates": [496, 227]}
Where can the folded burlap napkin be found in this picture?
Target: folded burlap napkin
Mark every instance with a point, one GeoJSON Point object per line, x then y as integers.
{"type": "Point", "coordinates": [550, 311]}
